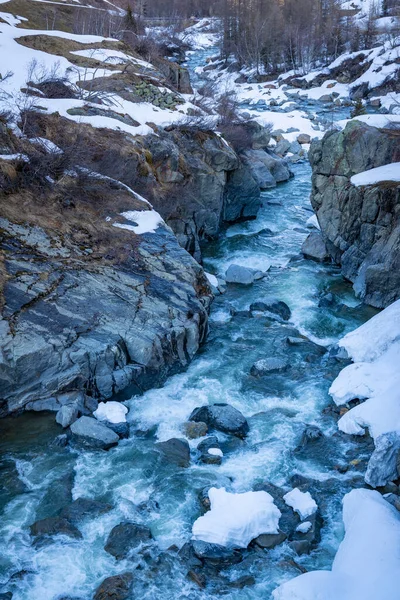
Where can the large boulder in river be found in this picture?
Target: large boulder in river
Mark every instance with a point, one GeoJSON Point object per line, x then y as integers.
{"type": "Point", "coordinates": [269, 366]}
{"type": "Point", "coordinates": [89, 433]}
{"type": "Point", "coordinates": [222, 417]}
{"type": "Point", "coordinates": [272, 305]}
{"type": "Point", "coordinates": [117, 587]}
{"type": "Point", "coordinates": [126, 537]}
{"type": "Point", "coordinates": [83, 508]}
{"type": "Point", "coordinates": [175, 451]}
{"type": "Point", "coordinates": [267, 168]}
{"type": "Point", "coordinates": [54, 526]}
{"type": "Point", "coordinates": [360, 224]}
{"type": "Point", "coordinates": [314, 247]}
{"type": "Point", "coordinates": [240, 275]}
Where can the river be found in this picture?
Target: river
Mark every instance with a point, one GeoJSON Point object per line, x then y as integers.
{"type": "Point", "coordinates": [142, 488]}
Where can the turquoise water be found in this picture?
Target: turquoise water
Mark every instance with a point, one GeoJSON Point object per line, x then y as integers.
{"type": "Point", "coordinates": [38, 480]}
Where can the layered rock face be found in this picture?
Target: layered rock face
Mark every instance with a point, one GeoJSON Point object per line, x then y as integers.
{"type": "Point", "coordinates": [91, 305]}
{"type": "Point", "coordinates": [193, 178]}
{"type": "Point", "coordinates": [360, 225]}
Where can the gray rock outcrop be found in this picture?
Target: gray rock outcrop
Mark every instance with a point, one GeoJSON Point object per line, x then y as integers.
{"type": "Point", "coordinates": [89, 433]}
{"type": "Point", "coordinates": [385, 460]}
{"type": "Point", "coordinates": [222, 417]}
{"type": "Point", "coordinates": [360, 225]}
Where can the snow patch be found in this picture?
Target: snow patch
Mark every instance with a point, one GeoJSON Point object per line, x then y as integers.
{"type": "Point", "coordinates": [236, 519]}
{"type": "Point", "coordinates": [389, 172]}
{"type": "Point", "coordinates": [113, 412]}
{"type": "Point", "coordinates": [301, 502]}
{"type": "Point", "coordinates": [145, 221]}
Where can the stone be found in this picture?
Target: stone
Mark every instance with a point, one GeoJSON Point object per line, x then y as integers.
{"type": "Point", "coordinates": [175, 451]}
{"type": "Point", "coordinates": [83, 508]}
{"type": "Point", "coordinates": [326, 98]}
{"type": "Point", "coordinates": [197, 578]}
{"type": "Point", "coordinates": [54, 526]}
{"type": "Point", "coordinates": [240, 275]}
{"type": "Point", "coordinates": [311, 434]}
{"type": "Point", "coordinates": [67, 415]}
{"type": "Point", "coordinates": [384, 462]}
{"type": "Point", "coordinates": [269, 366]}
{"type": "Point", "coordinates": [304, 138]}
{"type": "Point", "coordinates": [89, 433]}
{"type": "Point", "coordinates": [272, 305]}
{"type": "Point", "coordinates": [267, 168]}
{"type": "Point", "coordinates": [126, 537]}
{"type": "Point", "coordinates": [282, 147]}
{"type": "Point", "coordinates": [117, 587]}
{"type": "Point", "coordinates": [207, 457]}
{"type": "Point", "coordinates": [268, 541]}
{"type": "Point", "coordinates": [216, 554]}
{"type": "Point", "coordinates": [314, 247]}
{"type": "Point", "coordinates": [194, 430]}
{"type": "Point", "coordinates": [222, 417]}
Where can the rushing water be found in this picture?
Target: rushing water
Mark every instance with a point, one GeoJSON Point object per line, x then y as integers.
{"type": "Point", "coordinates": [143, 488]}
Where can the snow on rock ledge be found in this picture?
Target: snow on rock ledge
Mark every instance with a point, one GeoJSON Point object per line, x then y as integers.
{"type": "Point", "coordinates": [367, 563]}
{"type": "Point", "coordinates": [236, 519]}
{"type": "Point", "coordinates": [301, 502]}
{"type": "Point", "coordinates": [389, 172]}
{"type": "Point", "coordinates": [143, 221]}
{"type": "Point", "coordinates": [113, 412]}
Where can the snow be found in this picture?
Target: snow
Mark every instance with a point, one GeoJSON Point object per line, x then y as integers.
{"type": "Point", "coordinates": [47, 145]}
{"type": "Point", "coordinates": [212, 280]}
{"type": "Point", "coordinates": [389, 172]}
{"type": "Point", "coordinates": [234, 520]}
{"type": "Point", "coordinates": [367, 563]}
{"type": "Point", "coordinates": [304, 527]}
{"type": "Point", "coordinates": [312, 222]}
{"type": "Point", "coordinates": [145, 221]}
{"type": "Point", "coordinates": [375, 376]}
{"type": "Point", "coordinates": [301, 502]}
{"type": "Point", "coordinates": [368, 342]}
{"type": "Point", "coordinates": [113, 412]}
{"type": "Point", "coordinates": [215, 452]}
{"type": "Point", "coordinates": [14, 157]}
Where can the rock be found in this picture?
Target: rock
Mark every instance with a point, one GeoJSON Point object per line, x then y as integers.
{"type": "Point", "coordinates": [385, 460]}
{"type": "Point", "coordinates": [216, 554]}
{"type": "Point", "coordinates": [326, 98]}
{"type": "Point", "coordinates": [311, 434]}
{"type": "Point", "coordinates": [197, 578]}
{"type": "Point", "coordinates": [215, 456]}
{"type": "Point", "coordinates": [117, 587]}
{"type": "Point", "coordinates": [268, 366]}
{"type": "Point", "coordinates": [89, 433]}
{"type": "Point", "coordinates": [304, 138]}
{"type": "Point", "coordinates": [282, 147]}
{"type": "Point", "coordinates": [241, 195]}
{"type": "Point", "coordinates": [175, 451]}
{"type": "Point", "coordinates": [195, 430]}
{"type": "Point", "coordinates": [6, 596]}
{"type": "Point", "coordinates": [274, 306]}
{"type": "Point", "coordinates": [61, 441]}
{"type": "Point", "coordinates": [188, 556]}
{"type": "Point", "coordinates": [270, 540]}
{"type": "Point", "coordinates": [267, 168]}
{"type": "Point", "coordinates": [222, 417]}
{"type": "Point", "coordinates": [314, 247]}
{"type": "Point", "coordinates": [240, 275]}
{"type": "Point", "coordinates": [329, 301]}
{"type": "Point", "coordinates": [82, 508]}
{"type": "Point", "coordinates": [126, 537]}
{"type": "Point", "coordinates": [54, 526]}
{"type": "Point", "coordinates": [303, 543]}
{"type": "Point", "coordinates": [67, 415]}
{"type": "Point", "coordinates": [360, 224]}
{"type": "Point", "coordinates": [295, 147]}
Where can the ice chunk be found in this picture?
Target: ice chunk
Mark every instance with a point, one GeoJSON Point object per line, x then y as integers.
{"type": "Point", "coordinates": [215, 452]}
{"type": "Point", "coordinates": [236, 519]}
{"type": "Point", "coordinates": [301, 502]}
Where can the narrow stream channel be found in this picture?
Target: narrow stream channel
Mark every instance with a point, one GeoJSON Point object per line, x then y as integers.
{"type": "Point", "coordinates": [142, 488]}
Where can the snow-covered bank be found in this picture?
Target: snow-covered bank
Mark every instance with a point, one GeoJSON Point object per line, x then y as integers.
{"type": "Point", "coordinates": [367, 563]}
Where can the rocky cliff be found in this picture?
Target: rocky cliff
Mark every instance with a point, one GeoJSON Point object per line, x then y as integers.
{"type": "Point", "coordinates": [360, 224]}
{"type": "Point", "coordinates": [97, 295]}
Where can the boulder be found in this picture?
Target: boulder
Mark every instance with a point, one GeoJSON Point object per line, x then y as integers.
{"type": "Point", "coordinates": [222, 417]}
{"type": "Point", "coordinates": [89, 433]}
{"type": "Point", "coordinates": [240, 275]}
{"type": "Point", "coordinates": [117, 587]}
{"type": "Point", "coordinates": [282, 147]}
{"type": "Point", "coordinates": [216, 554]}
{"type": "Point", "coordinates": [269, 366]}
{"type": "Point", "coordinates": [326, 98]}
{"type": "Point", "coordinates": [272, 305]}
{"type": "Point", "coordinates": [267, 541]}
{"type": "Point", "coordinates": [267, 168]}
{"type": "Point", "coordinates": [175, 451]}
{"type": "Point", "coordinates": [54, 526]}
{"type": "Point", "coordinates": [83, 508]}
{"type": "Point", "coordinates": [125, 537]}
{"type": "Point", "coordinates": [304, 138]}
{"type": "Point", "coordinates": [210, 451]}
{"type": "Point", "coordinates": [383, 466]}
{"type": "Point", "coordinates": [67, 415]}
{"type": "Point", "coordinates": [195, 430]}
{"type": "Point", "coordinates": [314, 247]}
